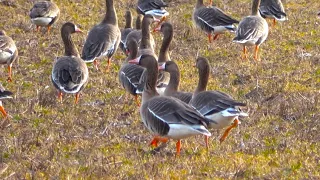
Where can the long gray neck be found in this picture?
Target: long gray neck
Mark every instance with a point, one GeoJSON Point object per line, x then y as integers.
{"type": "Point", "coordinates": [149, 89]}
{"type": "Point", "coordinates": [145, 39]}
{"type": "Point", "coordinates": [128, 20]}
{"type": "Point", "coordinates": [174, 82]}
{"type": "Point", "coordinates": [164, 50]}
{"type": "Point", "coordinates": [69, 47]}
{"type": "Point", "coordinates": [255, 7]}
{"type": "Point", "coordinates": [203, 80]}
{"type": "Point", "coordinates": [138, 22]}
{"type": "Point", "coordinates": [111, 15]}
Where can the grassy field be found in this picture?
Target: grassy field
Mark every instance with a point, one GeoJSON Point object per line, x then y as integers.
{"type": "Point", "coordinates": [103, 136]}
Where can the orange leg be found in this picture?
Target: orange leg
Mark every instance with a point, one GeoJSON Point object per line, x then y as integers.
{"type": "Point", "coordinates": [137, 100]}
{"type": "Point", "coordinates": [4, 113]}
{"type": "Point", "coordinates": [178, 146]}
{"type": "Point", "coordinates": [274, 23]}
{"type": "Point", "coordinates": [37, 28]}
{"type": "Point", "coordinates": [244, 55]}
{"type": "Point", "coordinates": [10, 73]}
{"type": "Point", "coordinates": [227, 131]}
{"type": "Point", "coordinates": [256, 53]}
{"type": "Point", "coordinates": [60, 96]}
{"type": "Point", "coordinates": [210, 37]}
{"type": "Point", "coordinates": [96, 63]}
{"type": "Point", "coordinates": [77, 98]}
{"type": "Point", "coordinates": [210, 3]}
{"type": "Point", "coordinates": [48, 29]}
{"type": "Point", "coordinates": [156, 140]}
{"type": "Point", "coordinates": [216, 36]}
{"type": "Point", "coordinates": [108, 66]}
{"type": "Point", "coordinates": [206, 140]}
{"type": "Point", "coordinates": [159, 23]}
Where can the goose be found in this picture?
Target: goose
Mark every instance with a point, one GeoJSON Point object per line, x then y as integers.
{"type": "Point", "coordinates": [212, 20]}
{"type": "Point", "coordinates": [103, 39]}
{"type": "Point", "coordinates": [137, 33]}
{"type": "Point", "coordinates": [172, 89]}
{"type": "Point", "coordinates": [272, 9]}
{"type": "Point", "coordinates": [130, 74]}
{"type": "Point", "coordinates": [127, 29]}
{"type": "Point", "coordinates": [218, 106]}
{"type": "Point", "coordinates": [44, 14]}
{"type": "Point", "coordinates": [154, 8]}
{"type": "Point", "coordinates": [167, 31]}
{"type": "Point", "coordinates": [8, 52]}
{"type": "Point", "coordinates": [252, 31]}
{"type": "Point", "coordinates": [167, 117]}
{"type": "Point", "coordinates": [4, 94]}
{"type": "Point", "coordinates": [69, 72]}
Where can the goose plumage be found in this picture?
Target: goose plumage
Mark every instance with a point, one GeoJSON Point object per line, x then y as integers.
{"type": "Point", "coordinates": [4, 94]}
{"type": "Point", "coordinates": [103, 39]}
{"type": "Point", "coordinates": [8, 52]}
{"type": "Point", "coordinates": [272, 9]}
{"type": "Point", "coordinates": [69, 72]}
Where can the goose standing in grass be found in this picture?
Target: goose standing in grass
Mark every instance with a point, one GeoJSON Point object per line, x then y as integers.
{"type": "Point", "coordinates": [252, 31]}
{"type": "Point", "coordinates": [215, 105]}
{"type": "Point", "coordinates": [173, 87]}
{"type": "Point", "coordinates": [4, 94]}
{"type": "Point", "coordinates": [70, 72]}
{"type": "Point", "coordinates": [130, 74]}
{"type": "Point", "coordinates": [212, 20]}
{"type": "Point", "coordinates": [272, 9]}
{"type": "Point", "coordinates": [137, 33]}
{"type": "Point", "coordinates": [127, 29]}
{"type": "Point", "coordinates": [8, 52]}
{"type": "Point", "coordinates": [44, 14]}
{"type": "Point", "coordinates": [103, 39]}
{"type": "Point", "coordinates": [154, 8]}
{"type": "Point", "coordinates": [167, 117]}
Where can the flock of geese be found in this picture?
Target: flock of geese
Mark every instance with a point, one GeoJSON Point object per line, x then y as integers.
{"type": "Point", "coordinates": [167, 112]}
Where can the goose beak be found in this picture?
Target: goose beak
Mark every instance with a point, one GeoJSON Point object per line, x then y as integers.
{"type": "Point", "coordinates": [127, 52]}
{"type": "Point", "coordinates": [135, 61]}
{"type": "Point", "coordinates": [157, 29]}
{"type": "Point", "coordinates": [162, 66]}
{"type": "Point", "coordinates": [78, 30]}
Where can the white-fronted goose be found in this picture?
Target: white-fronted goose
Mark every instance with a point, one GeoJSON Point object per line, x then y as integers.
{"type": "Point", "coordinates": [8, 52]}
{"type": "Point", "coordinates": [167, 117]}
{"type": "Point", "coordinates": [212, 20]}
{"type": "Point", "coordinates": [4, 95]}
{"type": "Point", "coordinates": [130, 74]}
{"type": "Point", "coordinates": [145, 45]}
{"type": "Point", "coordinates": [252, 30]}
{"type": "Point", "coordinates": [272, 9]}
{"type": "Point", "coordinates": [137, 33]}
{"type": "Point", "coordinates": [167, 31]}
{"type": "Point", "coordinates": [103, 39]}
{"type": "Point", "coordinates": [215, 105]}
{"type": "Point", "coordinates": [44, 14]}
{"type": "Point", "coordinates": [172, 89]}
{"type": "Point", "coordinates": [127, 29]}
{"type": "Point", "coordinates": [69, 72]}
{"type": "Point", "coordinates": [154, 8]}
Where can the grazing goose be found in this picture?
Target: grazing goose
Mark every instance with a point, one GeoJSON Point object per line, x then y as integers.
{"type": "Point", "coordinates": [4, 95]}
{"type": "Point", "coordinates": [212, 20]}
{"type": "Point", "coordinates": [252, 30]}
{"type": "Point", "coordinates": [127, 29]}
{"type": "Point", "coordinates": [167, 117]}
{"type": "Point", "coordinates": [272, 9]}
{"type": "Point", "coordinates": [44, 14]}
{"type": "Point", "coordinates": [137, 33]}
{"type": "Point", "coordinates": [215, 105]}
{"type": "Point", "coordinates": [154, 8]}
{"type": "Point", "coordinates": [130, 74]}
{"type": "Point", "coordinates": [103, 39]}
{"type": "Point", "coordinates": [173, 86]}
{"type": "Point", "coordinates": [8, 52]}
{"type": "Point", "coordinates": [70, 72]}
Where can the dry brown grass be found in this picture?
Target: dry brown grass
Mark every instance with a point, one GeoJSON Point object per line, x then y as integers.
{"type": "Point", "coordinates": [103, 136]}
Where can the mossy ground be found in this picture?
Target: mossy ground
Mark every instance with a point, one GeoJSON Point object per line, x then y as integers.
{"type": "Point", "coordinates": [103, 137]}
